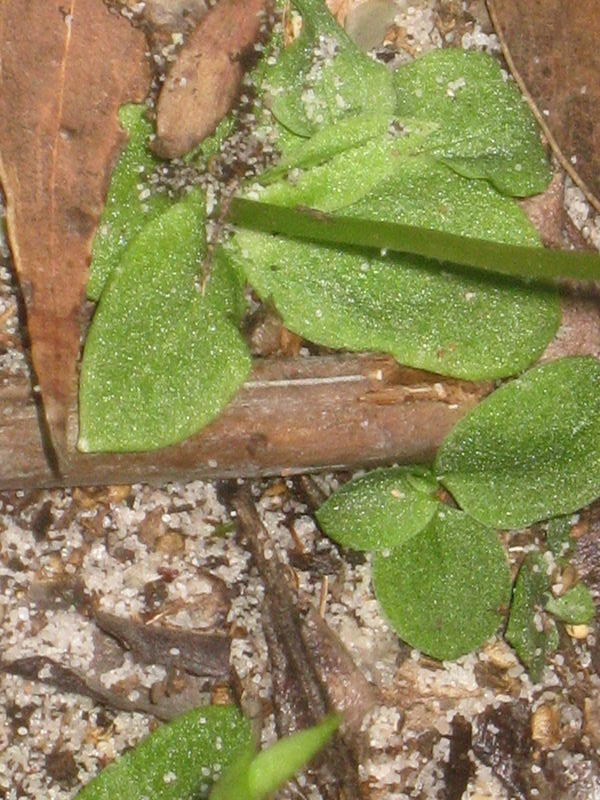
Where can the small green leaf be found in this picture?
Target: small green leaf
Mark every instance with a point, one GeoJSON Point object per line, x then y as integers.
{"type": "Point", "coordinates": [273, 767]}
{"type": "Point", "coordinates": [160, 360]}
{"type": "Point", "coordinates": [380, 510]}
{"type": "Point", "coordinates": [575, 607]}
{"type": "Point", "coordinates": [530, 450]}
{"type": "Point", "coordinates": [171, 763]}
{"type": "Point", "coordinates": [484, 127]}
{"type": "Point", "coordinates": [323, 77]}
{"type": "Point", "coordinates": [529, 630]}
{"type": "Point", "coordinates": [254, 777]}
{"type": "Point", "coordinates": [558, 536]}
{"type": "Point", "coordinates": [342, 180]}
{"type": "Point", "coordinates": [444, 591]}
{"type": "Point", "coordinates": [234, 783]}
{"type": "Point", "coordinates": [125, 213]}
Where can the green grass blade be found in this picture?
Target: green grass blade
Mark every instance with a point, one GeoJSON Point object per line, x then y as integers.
{"type": "Point", "coordinates": [518, 260]}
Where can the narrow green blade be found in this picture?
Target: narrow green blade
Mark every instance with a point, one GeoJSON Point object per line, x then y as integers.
{"type": "Point", "coordinates": [519, 260]}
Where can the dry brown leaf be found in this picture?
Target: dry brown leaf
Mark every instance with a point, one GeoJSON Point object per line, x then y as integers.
{"type": "Point", "coordinates": [552, 49]}
{"type": "Point", "coordinates": [65, 69]}
{"type": "Point", "coordinates": [205, 80]}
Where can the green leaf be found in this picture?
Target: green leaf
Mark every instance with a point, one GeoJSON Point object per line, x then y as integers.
{"type": "Point", "coordinates": [509, 259]}
{"type": "Point", "coordinates": [327, 142]}
{"type": "Point", "coordinates": [125, 213]}
{"type": "Point", "coordinates": [160, 360]}
{"type": "Point", "coordinates": [323, 77]}
{"type": "Point", "coordinates": [529, 630]}
{"type": "Point", "coordinates": [449, 321]}
{"type": "Point", "coordinates": [234, 783]}
{"type": "Point", "coordinates": [558, 536]}
{"type": "Point", "coordinates": [273, 767]}
{"type": "Point", "coordinates": [484, 127]}
{"type": "Point", "coordinates": [530, 450]}
{"type": "Point", "coordinates": [380, 510]}
{"type": "Point", "coordinates": [171, 763]}
{"type": "Point", "coordinates": [254, 777]}
{"type": "Point", "coordinates": [575, 607]}
{"type": "Point", "coordinates": [340, 181]}
{"type": "Point", "coordinates": [444, 590]}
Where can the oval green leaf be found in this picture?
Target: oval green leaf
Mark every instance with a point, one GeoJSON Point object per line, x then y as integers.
{"type": "Point", "coordinates": [530, 450]}
{"type": "Point", "coordinates": [380, 510]}
{"type": "Point", "coordinates": [447, 320]}
{"type": "Point", "coordinates": [444, 591]}
{"type": "Point", "coordinates": [172, 763]}
{"type": "Point", "coordinates": [160, 360]}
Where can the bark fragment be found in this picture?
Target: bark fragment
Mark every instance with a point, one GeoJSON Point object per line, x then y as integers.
{"type": "Point", "coordinates": [204, 82]}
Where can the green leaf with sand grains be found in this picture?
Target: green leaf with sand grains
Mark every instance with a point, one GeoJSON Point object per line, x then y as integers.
{"type": "Point", "coordinates": [446, 319]}
{"type": "Point", "coordinates": [160, 360]}
{"type": "Point", "coordinates": [529, 451]}
{"type": "Point", "coordinates": [380, 510]}
{"type": "Point", "coordinates": [530, 631]}
{"type": "Point", "coordinates": [127, 207]}
{"type": "Point", "coordinates": [575, 607]}
{"type": "Point", "coordinates": [179, 761]}
{"type": "Point", "coordinates": [484, 127]}
{"type": "Point", "coordinates": [323, 76]}
{"type": "Point", "coordinates": [446, 589]}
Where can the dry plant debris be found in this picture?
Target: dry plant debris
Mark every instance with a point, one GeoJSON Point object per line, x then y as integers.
{"type": "Point", "coordinates": [61, 84]}
{"type": "Point", "coordinates": [552, 50]}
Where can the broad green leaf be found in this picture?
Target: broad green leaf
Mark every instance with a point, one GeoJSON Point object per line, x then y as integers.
{"type": "Point", "coordinates": [171, 763]}
{"type": "Point", "coordinates": [425, 193]}
{"type": "Point", "coordinates": [530, 450]}
{"type": "Point", "coordinates": [323, 77]}
{"type": "Point", "coordinates": [575, 607]}
{"type": "Point", "coordinates": [127, 208]}
{"type": "Point", "coordinates": [160, 360]}
{"type": "Point", "coordinates": [448, 320]}
{"type": "Point", "coordinates": [530, 631]}
{"type": "Point", "coordinates": [254, 777]}
{"type": "Point", "coordinates": [380, 510]}
{"type": "Point", "coordinates": [445, 590]}
{"type": "Point", "coordinates": [485, 129]}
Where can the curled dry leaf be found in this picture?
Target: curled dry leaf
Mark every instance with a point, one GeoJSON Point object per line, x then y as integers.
{"type": "Point", "coordinates": [205, 80]}
{"type": "Point", "coordinates": [196, 653]}
{"type": "Point", "coordinates": [552, 50]}
{"type": "Point", "coordinates": [61, 83]}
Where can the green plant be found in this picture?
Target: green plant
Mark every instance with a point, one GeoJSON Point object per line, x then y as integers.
{"type": "Point", "coordinates": [207, 753]}
{"type": "Point", "coordinates": [439, 161]}
{"type": "Point", "coordinates": [527, 453]}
